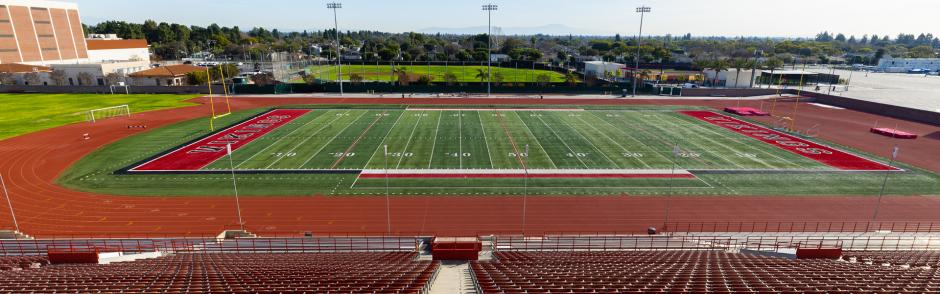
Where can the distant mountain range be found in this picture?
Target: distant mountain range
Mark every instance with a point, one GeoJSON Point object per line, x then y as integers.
{"type": "Point", "coordinates": [551, 29]}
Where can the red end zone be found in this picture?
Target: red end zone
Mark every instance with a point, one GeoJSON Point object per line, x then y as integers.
{"type": "Point", "coordinates": [201, 153]}
{"type": "Point", "coordinates": [824, 154]}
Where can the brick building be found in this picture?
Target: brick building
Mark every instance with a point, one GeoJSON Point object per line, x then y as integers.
{"type": "Point", "coordinates": [41, 32]}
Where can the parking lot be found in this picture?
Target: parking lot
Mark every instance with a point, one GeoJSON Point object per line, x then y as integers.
{"type": "Point", "coordinates": [914, 91]}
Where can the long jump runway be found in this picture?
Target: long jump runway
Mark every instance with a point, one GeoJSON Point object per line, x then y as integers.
{"type": "Point", "coordinates": [31, 163]}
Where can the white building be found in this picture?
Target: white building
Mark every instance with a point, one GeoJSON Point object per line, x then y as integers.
{"type": "Point", "coordinates": [104, 50]}
{"type": "Point", "coordinates": [603, 69]}
{"type": "Point", "coordinates": [890, 64]}
{"type": "Point", "coordinates": [99, 70]}
{"type": "Point", "coordinates": [170, 75]}
{"type": "Point", "coordinates": [731, 78]}
{"type": "Point", "coordinates": [42, 43]}
{"type": "Point", "coordinates": [499, 58]}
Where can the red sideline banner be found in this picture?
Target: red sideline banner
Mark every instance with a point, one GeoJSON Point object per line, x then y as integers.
{"type": "Point", "coordinates": [824, 154]}
{"type": "Point", "coordinates": [201, 153]}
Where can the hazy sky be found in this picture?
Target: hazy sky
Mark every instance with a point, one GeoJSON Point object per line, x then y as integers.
{"type": "Point", "coordinates": [785, 18]}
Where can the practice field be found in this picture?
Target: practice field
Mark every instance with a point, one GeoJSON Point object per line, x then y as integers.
{"type": "Point", "coordinates": [25, 113]}
{"type": "Point", "coordinates": [464, 74]}
{"type": "Point", "coordinates": [485, 151]}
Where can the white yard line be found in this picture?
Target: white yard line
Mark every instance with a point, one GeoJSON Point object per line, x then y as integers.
{"type": "Point", "coordinates": [536, 142]}
{"type": "Point", "coordinates": [330, 141]}
{"type": "Point", "coordinates": [595, 148]}
{"type": "Point", "coordinates": [530, 171]}
{"type": "Point", "coordinates": [434, 145]}
{"type": "Point", "coordinates": [709, 139]}
{"type": "Point", "coordinates": [460, 138]}
{"type": "Point", "coordinates": [385, 139]}
{"type": "Point", "coordinates": [485, 140]}
{"type": "Point", "coordinates": [647, 146]}
{"type": "Point", "coordinates": [275, 142]}
{"type": "Point", "coordinates": [612, 140]}
{"type": "Point", "coordinates": [410, 138]}
{"type": "Point", "coordinates": [751, 140]}
{"type": "Point", "coordinates": [573, 153]}
{"type": "Point", "coordinates": [714, 142]}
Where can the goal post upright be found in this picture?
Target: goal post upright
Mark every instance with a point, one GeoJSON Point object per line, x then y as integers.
{"type": "Point", "coordinates": [225, 90]}
{"type": "Point", "coordinates": [211, 101]}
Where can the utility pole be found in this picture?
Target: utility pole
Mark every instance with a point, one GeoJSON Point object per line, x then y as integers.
{"type": "Point", "coordinates": [894, 156]}
{"type": "Point", "coordinates": [9, 203]}
{"type": "Point", "coordinates": [388, 209]}
{"type": "Point", "coordinates": [525, 189]}
{"type": "Point", "coordinates": [238, 207]}
{"type": "Point", "coordinates": [489, 8]}
{"type": "Point", "coordinates": [675, 163]}
{"type": "Point", "coordinates": [339, 55]}
{"type": "Point", "coordinates": [757, 55]}
{"type": "Point", "coordinates": [642, 10]}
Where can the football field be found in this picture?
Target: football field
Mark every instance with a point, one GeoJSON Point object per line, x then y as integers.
{"type": "Point", "coordinates": [501, 139]}
{"type": "Point", "coordinates": [486, 150]}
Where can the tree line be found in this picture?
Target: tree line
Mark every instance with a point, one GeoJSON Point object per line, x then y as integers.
{"type": "Point", "coordinates": [176, 41]}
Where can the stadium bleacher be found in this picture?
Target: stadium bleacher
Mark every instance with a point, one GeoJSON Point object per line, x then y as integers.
{"type": "Point", "coordinates": [910, 258]}
{"type": "Point", "coordinates": [384, 272]}
{"type": "Point", "coordinates": [690, 271]}
{"type": "Point", "coordinates": [21, 262]}
{"type": "Point", "coordinates": [512, 264]}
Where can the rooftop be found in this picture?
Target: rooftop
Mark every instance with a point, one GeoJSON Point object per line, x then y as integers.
{"type": "Point", "coordinates": [22, 68]}
{"type": "Point", "coordinates": [99, 44]}
{"type": "Point", "coordinates": [168, 71]}
{"type": "Point", "coordinates": [40, 3]}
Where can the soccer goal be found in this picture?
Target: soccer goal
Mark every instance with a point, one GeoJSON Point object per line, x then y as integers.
{"type": "Point", "coordinates": [95, 115]}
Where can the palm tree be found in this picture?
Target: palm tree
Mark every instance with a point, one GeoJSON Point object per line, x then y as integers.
{"type": "Point", "coordinates": [737, 64]}
{"type": "Point", "coordinates": [644, 75]}
{"type": "Point", "coordinates": [571, 79]}
{"type": "Point", "coordinates": [481, 74]}
{"type": "Point", "coordinates": [718, 65]}
{"type": "Point", "coordinates": [702, 65]}
{"type": "Point", "coordinates": [772, 64]}
{"type": "Point", "coordinates": [402, 74]}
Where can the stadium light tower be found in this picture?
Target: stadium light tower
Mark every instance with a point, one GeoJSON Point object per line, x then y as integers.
{"type": "Point", "coordinates": [339, 55]}
{"type": "Point", "coordinates": [489, 8]}
{"type": "Point", "coordinates": [642, 10]}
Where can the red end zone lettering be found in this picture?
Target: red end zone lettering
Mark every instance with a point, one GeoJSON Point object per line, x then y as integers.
{"type": "Point", "coordinates": [201, 153]}
{"type": "Point", "coordinates": [824, 154]}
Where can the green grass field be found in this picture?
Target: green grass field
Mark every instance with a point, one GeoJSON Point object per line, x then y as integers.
{"type": "Point", "coordinates": [383, 73]}
{"type": "Point", "coordinates": [487, 139]}
{"type": "Point", "coordinates": [26, 113]}
{"type": "Point", "coordinates": [616, 138]}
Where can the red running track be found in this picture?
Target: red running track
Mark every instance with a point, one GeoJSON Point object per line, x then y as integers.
{"type": "Point", "coordinates": [31, 163]}
{"type": "Point", "coordinates": [824, 154]}
{"type": "Point", "coordinates": [199, 154]}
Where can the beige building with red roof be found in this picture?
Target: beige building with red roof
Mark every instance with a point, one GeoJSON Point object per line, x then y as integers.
{"type": "Point", "coordinates": [49, 34]}
{"type": "Point", "coordinates": [102, 50]}
{"type": "Point", "coordinates": [170, 75]}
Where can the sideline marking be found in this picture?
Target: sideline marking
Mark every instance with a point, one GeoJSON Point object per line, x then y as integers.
{"type": "Point", "coordinates": [199, 154]}
{"type": "Point", "coordinates": [827, 155]}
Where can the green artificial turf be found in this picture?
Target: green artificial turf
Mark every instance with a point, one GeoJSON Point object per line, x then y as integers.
{"type": "Point", "coordinates": [638, 137]}
{"type": "Point", "coordinates": [26, 113]}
